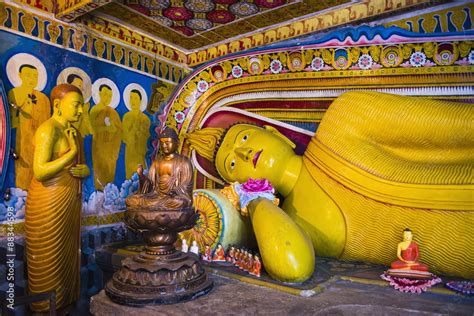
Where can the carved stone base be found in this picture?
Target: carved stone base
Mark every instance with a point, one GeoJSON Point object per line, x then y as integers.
{"type": "Point", "coordinates": [149, 279]}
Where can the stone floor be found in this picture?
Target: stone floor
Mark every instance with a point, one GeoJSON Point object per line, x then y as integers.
{"type": "Point", "coordinates": [337, 296]}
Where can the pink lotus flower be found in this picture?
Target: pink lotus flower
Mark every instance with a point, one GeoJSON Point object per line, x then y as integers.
{"type": "Point", "coordinates": [257, 185]}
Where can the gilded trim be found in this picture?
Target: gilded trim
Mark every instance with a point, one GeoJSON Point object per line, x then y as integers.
{"type": "Point", "coordinates": [45, 28]}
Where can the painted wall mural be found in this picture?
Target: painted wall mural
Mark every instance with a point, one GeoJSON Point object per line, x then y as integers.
{"type": "Point", "coordinates": [4, 133]}
{"type": "Point", "coordinates": [131, 50]}
{"type": "Point", "coordinates": [115, 123]}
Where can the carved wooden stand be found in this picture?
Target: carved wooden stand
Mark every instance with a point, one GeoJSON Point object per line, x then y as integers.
{"type": "Point", "coordinates": [160, 274]}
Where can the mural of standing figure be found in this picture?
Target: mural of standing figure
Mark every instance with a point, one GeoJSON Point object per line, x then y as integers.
{"type": "Point", "coordinates": [136, 126]}
{"type": "Point", "coordinates": [160, 93]}
{"type": "Point", "coordinates": [79, 78]}
{"type": "Point", "coordinates": [53, 207]}
{"type": "Point", "coordinates": [31, 107]}
{"type": "Point", "coordinates": [106, 132]}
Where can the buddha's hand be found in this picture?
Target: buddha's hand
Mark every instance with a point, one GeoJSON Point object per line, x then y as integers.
{"type": "Point", "coordinates": [80, 171]}
{"type": "Point", "coordinates": [140, 170]}
{"type": "Point", "coordinates": [140, 173]}
{"type": "Point", "coordinates": [71, 134]}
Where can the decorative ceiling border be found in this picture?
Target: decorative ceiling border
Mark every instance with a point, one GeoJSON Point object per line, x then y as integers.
{"type": "Point", "coordinates": [296, 10]}
{"type": "Point", "coordinates": [45, 28]}
{"type": "Point", "coordinates": [310, 23]}
{"type": "Point", "coordinates": [125, 34]}
{"type": "Point", "coordinates": [303, 26]}
{"type": "Point", "coordinates": [452, 19]}
{"type": "Point", "coordinates": [358, 54]}
{"type": "Point", "coordinates": [65, 10]}
{"type": "Point", "coordinates": [69, 10]}
{"type": "Point", "coordinates": [147, 43]}
{"type": "Point", "coordinates": [43, 5]}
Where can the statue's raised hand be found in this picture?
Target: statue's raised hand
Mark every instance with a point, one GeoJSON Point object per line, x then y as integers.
{"type": "Point", "coordinates": [71, 134]}
{"type": "Point", "coordinates": [143, 181]}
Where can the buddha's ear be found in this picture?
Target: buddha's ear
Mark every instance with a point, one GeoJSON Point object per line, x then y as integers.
{"type": "Point", "coordinates": [56, 104]}
{"type": "Point", "coordinates": [275, 132]}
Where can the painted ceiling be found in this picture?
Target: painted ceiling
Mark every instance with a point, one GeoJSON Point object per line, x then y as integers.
{"type": "Point", "coordinates": [193, 17]}
{"type": "Point", "coordinates": [190, 32]}
{"type": "Point", "coordinates": [193, 24]}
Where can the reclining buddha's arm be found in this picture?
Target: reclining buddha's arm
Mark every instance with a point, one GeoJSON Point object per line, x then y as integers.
{"type": "Point", "coordinates": [286, 249]}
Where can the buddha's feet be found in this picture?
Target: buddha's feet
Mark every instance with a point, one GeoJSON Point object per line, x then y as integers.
{"type": "Point", "coordinates": [415, 266]}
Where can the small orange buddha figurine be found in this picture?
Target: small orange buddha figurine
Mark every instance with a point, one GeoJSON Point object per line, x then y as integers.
{"type": "Point", "coordinates": [250, 263]}
{"type": "Point", "coordinates": [236, 257]}
{"type": "Point", "coordinates": [239, 259]}
{"type": "Point", "coordinates": [257, 266]}
{"type": "Point", "coordinates": [231, 255]}
{"type": "Point", "coordinates": [408, 254]}
{"type": "Point", "coordinates": [219, 254]}
{"type": "Point", "coordinates": [207, 254]}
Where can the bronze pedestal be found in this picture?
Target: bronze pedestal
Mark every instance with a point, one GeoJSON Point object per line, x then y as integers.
{"type": "Point", "coordinates": [161, 274]}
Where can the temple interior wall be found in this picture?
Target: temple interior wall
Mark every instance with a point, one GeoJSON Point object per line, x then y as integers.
{"type": "Point", "coordinates": [254, 82]}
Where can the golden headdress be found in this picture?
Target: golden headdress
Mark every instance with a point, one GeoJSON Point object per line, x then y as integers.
{"type": "Point", "coordinates": [206, 141]}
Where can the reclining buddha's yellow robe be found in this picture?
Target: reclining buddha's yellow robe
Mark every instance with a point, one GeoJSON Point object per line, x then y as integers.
{"type": "Point", "coordinates": [392, 162]}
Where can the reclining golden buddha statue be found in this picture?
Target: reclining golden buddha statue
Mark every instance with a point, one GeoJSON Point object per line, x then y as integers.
{"type": "Point", "coordinates": [378, 163]}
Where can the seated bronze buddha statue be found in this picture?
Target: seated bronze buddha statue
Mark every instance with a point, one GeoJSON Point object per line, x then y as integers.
{"type": "Point", "coordinates": [169, 183]}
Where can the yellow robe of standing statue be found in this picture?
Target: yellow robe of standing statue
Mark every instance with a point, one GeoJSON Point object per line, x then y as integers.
{"type": "Point", "coordinates": [53, 206]}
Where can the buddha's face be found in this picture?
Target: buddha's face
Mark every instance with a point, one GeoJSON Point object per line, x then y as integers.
{"type": "Point", "coordinates": [71, 106]}
{"type": "Point", "coordinates": [164, 90]}
{"type": "Point", "coordinates": [168, 145]}
{"type": "Point", "coordinates": [407, 235]}
{"type": "Point", "coordinates": [105, 95]}
{"type": "Point", "coordinates": [78, 83]}
{"type": "Point", "coordinates": [135, 101]}
{"type": "Point", "coordinates": [252, 152]}
{"type": "Point", "coordinates": [29, 77]}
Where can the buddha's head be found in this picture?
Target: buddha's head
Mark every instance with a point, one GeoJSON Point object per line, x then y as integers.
{"type": "Point", "coordinates": [135, 100]}
{"type": "Point", "coordinates": [407, 235]}
{"type": "Point", "coordinates": [246, 151]}
{"type": "Point", "coordinates": [163, 89]}
{"type": "Point", "coordinates": [75, 80]}
{"type": "Point", "coordinates": [29, 76]}
{"type": "Point", "coordinates": [67, 102]}
{"type": "Point", "coordinates": [168, 141]}
{"type": "Point", "coordinates": [105, 94]}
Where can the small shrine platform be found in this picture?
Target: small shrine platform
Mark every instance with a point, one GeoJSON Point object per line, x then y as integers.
{"type": "Point", "coordinates": [337, 287]}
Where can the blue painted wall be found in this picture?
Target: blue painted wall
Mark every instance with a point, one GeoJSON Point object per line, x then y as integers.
{"type": "Point", "coordinates": [56, 59]}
